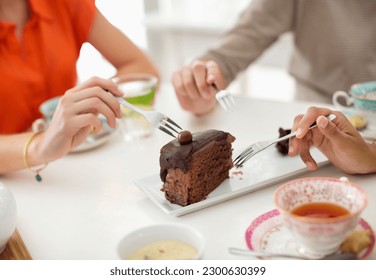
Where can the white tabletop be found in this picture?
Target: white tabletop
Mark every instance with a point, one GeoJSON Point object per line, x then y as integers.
{"type": "Point", "coordinates": [88, 201]}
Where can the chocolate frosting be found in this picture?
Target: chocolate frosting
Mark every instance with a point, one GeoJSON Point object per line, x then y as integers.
{"type": "Point", "coordinates": [176, 155]}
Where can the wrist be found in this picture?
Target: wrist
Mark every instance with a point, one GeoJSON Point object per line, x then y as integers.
{"type": "Point", "coordinates": [33, 154]}
{"type": "Point", "coordinates": [30, 158]}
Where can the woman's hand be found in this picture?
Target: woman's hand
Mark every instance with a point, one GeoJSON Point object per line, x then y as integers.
{"type": "Point", "coordinates": [193, 86]}
{"type": "Point", "coordinates": [338, 140]}
{"type": "Point", "coordinates": [77, 115]}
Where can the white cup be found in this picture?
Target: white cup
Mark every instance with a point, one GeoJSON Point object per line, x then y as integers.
{"type": "Point", "coordinates": [8, 216]}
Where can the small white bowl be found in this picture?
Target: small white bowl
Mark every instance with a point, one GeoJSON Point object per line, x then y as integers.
{"type": "Point", "coordinates": [169, 231]}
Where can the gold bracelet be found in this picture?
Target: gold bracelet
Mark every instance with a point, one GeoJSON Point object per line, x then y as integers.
{"type": "Point", "coordinates": [26, 147]}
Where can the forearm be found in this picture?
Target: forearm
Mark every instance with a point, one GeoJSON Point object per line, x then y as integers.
{"type": "Point", "coordinates": [118, 49]}
{"type": "Point", "coordinates": [142, 64]}
{"type": "Point", "coordinates": [12, 150]}
{"type": "Point", "coordinates": [137, 62]}
{"type": "Point", "coordinates": [258, 27]}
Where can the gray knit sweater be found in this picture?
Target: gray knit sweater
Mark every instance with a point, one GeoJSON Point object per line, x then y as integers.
{"type": "Point", "coordinates": [334, 41]}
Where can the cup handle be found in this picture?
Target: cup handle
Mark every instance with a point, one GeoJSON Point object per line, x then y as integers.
{"type": "Point", "coordinates": [349, 100]}
{"type": "Point", "coordinates": [39, 125]}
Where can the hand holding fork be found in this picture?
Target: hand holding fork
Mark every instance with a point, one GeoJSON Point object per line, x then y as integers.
{"type": "Point", "coordinates": [257, 147]}
{"type": "Point", "coordinates": [225, 99]}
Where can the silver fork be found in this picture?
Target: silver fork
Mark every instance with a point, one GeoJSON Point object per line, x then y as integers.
{"type": "Point", "coordinates": [155, 118]}
{"type": "Point", "coordinates": [257, 147]}
{"type": "Point", "coordinates": [266, 254]}
{"type": "Point", "coordinates": [225, 99]}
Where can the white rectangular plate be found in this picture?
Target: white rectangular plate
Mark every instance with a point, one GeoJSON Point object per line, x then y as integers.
{"type": "Point", "coordinates": [267, 168]}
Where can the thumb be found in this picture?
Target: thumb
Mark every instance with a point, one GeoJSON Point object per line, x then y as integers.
{"type": "Point", "coordinates": [328, 129]}
{"type": "Point", "coordinates": [213, 73]}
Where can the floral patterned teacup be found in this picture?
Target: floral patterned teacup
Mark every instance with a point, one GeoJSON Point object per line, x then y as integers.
{"type": "Point", "coordinates": [309, 210]}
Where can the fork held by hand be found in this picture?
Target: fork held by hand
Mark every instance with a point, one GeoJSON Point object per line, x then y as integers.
{"type": "Point", "coordinates": [225, 99]}
{"type": "Point", "coordinates": [257, 147]}
{"type": "Point", "coordinates": [156, 119]}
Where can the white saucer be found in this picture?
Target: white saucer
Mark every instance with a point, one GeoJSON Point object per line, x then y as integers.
{"type": "Point", "coordinates": [267, 233]}
{"type": "Point", "coordinates": [94, 141]}
{"type": "Point", "coordinates": [369, 133]}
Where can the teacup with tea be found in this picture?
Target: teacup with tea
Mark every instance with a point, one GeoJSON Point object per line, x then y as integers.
{"type": "Point", "coordinates": [320, 212]}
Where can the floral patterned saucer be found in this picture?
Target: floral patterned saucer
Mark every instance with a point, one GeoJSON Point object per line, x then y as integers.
{"type": "Point", "coordinates": [267, 233]}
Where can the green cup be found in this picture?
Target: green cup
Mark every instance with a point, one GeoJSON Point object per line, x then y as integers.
{"type": "Point", "coordinates": [138, 89]}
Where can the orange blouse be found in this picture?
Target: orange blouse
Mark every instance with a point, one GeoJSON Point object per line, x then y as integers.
{"type": "Point", "coordinates": [43, 64]}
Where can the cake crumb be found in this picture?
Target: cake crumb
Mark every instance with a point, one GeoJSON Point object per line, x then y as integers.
{"type": "Point", "coordinates": [236, 173]}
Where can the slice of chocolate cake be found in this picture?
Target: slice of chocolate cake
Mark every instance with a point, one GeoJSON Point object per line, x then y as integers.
{"type": "Point", "coordinates": [194, 165]}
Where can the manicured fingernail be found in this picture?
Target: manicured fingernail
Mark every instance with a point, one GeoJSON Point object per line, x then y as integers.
{"type": "Point", "coordinates": [309, 165]}
{"type": "Point", "coordinates": [211, 79]}
{"type": "Point", "coordinates": [291, 150]}
{"type": "Point", "coordinates": [322, 122]}
{"type": "Point", "coordinates": [299, 133]}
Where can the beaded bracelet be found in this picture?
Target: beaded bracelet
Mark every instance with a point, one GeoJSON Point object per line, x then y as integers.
{"type": "Point", "coordinates": [26, 147]}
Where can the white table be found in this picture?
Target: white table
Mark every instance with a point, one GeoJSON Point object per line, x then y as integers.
{"type": "Point", "coordinates": [87, 202]}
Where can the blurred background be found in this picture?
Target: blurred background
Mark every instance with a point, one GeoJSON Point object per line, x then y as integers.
{"type": "Point", "coordinates": [173, 32]}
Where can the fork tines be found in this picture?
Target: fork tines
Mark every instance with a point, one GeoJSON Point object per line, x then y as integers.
{"type": "Point", "coordinates": [243, 157]}
{"type": "Point", "coordinates": [169, 126]}
{"type": "Point", "coordinates": [257, 147]}
{"type": "Point", "coordinates": [226, 100]}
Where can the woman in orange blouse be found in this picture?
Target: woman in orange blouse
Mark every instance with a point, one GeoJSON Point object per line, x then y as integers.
{"type": "Point", "coordinates": [40, 41]}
